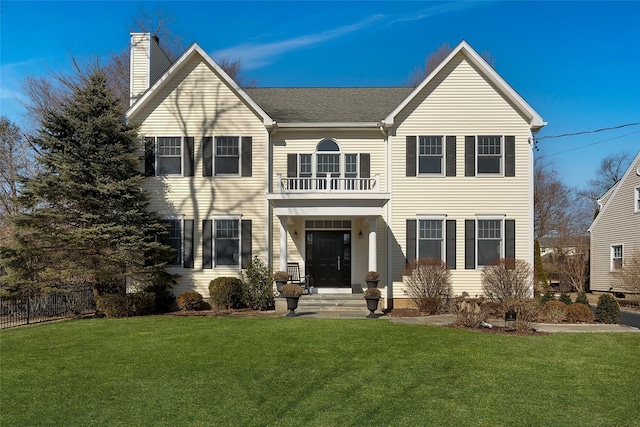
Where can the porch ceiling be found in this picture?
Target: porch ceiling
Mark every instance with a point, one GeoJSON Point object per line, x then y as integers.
{"type": "Point", "coordinates": [314, 205]}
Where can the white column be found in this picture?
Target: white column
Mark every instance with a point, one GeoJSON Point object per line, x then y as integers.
{"type": "Point", "coordinates": [373, 247]}
{"type": "Point", "coordinates": [283, 244]}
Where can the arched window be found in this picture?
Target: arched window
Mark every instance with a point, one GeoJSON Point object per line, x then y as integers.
{"type": "Point", "coordinates": [328, 164]}
{"type": "Point", "coordinates": [327, 145]}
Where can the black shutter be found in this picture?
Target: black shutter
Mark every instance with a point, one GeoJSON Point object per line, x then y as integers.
{"type": "Point", "coordinates": [189, 156]}
{"type": "Point", "coordinates": [365, 165]}
{"type": "Point", "coordinates": [149, 156]}
{"type": "Point", "coordinates": [510, 238]}
{"type": "Point", "coordinates": [411, 155]}
{"type": "Point", "coordinates": [292, 165]}
{"type": "Point", "coordinates": [207, 243]}
{"type": "Point", "coordinates": [451, 156]}
{"type": "Point", "coordinates": [411, 240]}
{"type": "Point", "coordinates": [245, 244]}
{"type": "Point", "coordinates": [469, 156]}
{"type": "Point", "coordinates": [207, 156]}
{"type": "Point", "coordinates": [509, 156]}
{"type": "Point", "coordinates": [470, 244]}
{"type": "Point", "coordinates": [451, 243]}
{"type": "Point", "coordinates": [188, 243]}
{"type": "Point", "coordinates": [247, 146]}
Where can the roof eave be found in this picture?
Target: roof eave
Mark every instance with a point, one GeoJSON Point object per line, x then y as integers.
{"type": "Point", "coordinates": [325, 125]}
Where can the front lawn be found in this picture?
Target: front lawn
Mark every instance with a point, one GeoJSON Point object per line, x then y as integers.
{"type": "Point", "coordinates": [186, 371]}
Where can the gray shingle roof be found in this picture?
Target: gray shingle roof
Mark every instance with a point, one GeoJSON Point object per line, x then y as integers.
{"type": "Point", "coordinates": [317, 105]}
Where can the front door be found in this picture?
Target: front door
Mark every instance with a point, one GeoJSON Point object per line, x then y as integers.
{"type": "Point", "coordinates": [328, 258]}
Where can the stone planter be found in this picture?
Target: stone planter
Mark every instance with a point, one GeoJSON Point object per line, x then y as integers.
{"type": "Point", "coordinates": [372, 283]}
{"type": "Point", "coordinates": [292, 304]}
{"type": "Point", "coordinates": [372, 306]}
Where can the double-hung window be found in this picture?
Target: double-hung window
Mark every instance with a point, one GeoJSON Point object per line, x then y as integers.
{"type": "Point", "coordinates": [430, 155]}
{"type": "Point", "coordinates": [490, 243]}
{"type": "Point", "coordinates": [227, 242]}
{"type": "Point", "coordinates": [616, 257]}
{"type": "Point", "coordinates": [169, 156]}
{"type": "Point", "coordinates": [173, 239]}
{"type": "Point", "coordinates": [489, 154]}
{"type": "Point", "coordinates": [636, 200]}
{"type": "Point", "coordinates": [430, 239]}
{"type": "Point", "coordinates": [227, 155]}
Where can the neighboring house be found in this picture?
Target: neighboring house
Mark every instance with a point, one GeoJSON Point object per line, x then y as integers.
{"type": "Point", "coordinates": [339, 180]}
{"type": "Point", "coordinates": [566, 250]}
{"type": "Point", "coordinates": [570, 245]}
{"type": "Point", "coordinates": [615, 233]}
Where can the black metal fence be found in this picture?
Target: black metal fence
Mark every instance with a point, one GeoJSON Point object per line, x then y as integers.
{"type": "Point", "coordinates": [59, 304]}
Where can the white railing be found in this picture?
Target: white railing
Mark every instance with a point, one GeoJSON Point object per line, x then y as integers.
{"type": "Point", "coordinates": [288, 185]}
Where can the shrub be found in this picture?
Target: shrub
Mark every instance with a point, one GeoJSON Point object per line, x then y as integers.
{"type": "Point", "coordinates": [526, 312]}
{"type": "Point", "coordinates": [372, 276]}
{"type": "Point", "coordinates": [280, 276]}
{"type": "Point", "coordinates": [190, 300]}
{"type": "Point", "coordinates": [547, 296]}
{"type": "Point", "coordinates": [579, 313]}
{"type": "Point", "coordinates": [582, 299]}
{"type": "Point", "coordinates": [428, 283]}
{"type": "Point", "coordinates": [565, 298]}
{"type": "Point", "coordinates": [257, 282]}
{"type": "Point", "coordinates": [554, 312]}
{"type": "Point", "coordinates": [291, 290]}
{"type": "Point", "coordinates": [372, 293]}
{"type": "Point", "coordinates": [226, 292]}
{"type": "Point", "coordinates": [507, 279]}
{"type": "Point", "coordinates": [493, 309]}
{"type": "Point", "coordinates": [607, 310]}
{"type": "Point", "coordinates": [467, 313]}
{"type": "Point", "coordinates": [126, 305]}
{"type": "Point", "coordinates": [164, 298]}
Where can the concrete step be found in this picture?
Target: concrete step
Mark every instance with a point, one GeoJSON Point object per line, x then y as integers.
{"type": "Point", "coordinates": [334, 302]}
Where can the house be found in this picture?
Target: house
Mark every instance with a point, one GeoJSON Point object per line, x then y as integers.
{"type": "Point", "coordinates": [339, 180]}
{"type": "Point", "coordinates": [573, 254]}
{"type": "Point", "coordinates": [615, 233]}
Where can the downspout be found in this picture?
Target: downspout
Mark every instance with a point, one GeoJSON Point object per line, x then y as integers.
{"type": "Point", "coordinates": [269, 187]}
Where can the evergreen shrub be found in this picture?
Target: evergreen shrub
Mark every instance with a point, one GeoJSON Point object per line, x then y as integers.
{"type": "Point", "coordinates": [565, 298]}
{"type": "Point", "coordinates": [126, 305]}
{"type": "Point", "coordinates": [582, 299]}
{"type": "Point", "coordinates": [547, 296]}
{"type": "Point", "coordinates": [226, 292]}
{"type": "Point", "coordinates": [190, 300]}
{"type": "Point", "coordinates": [607, 310]}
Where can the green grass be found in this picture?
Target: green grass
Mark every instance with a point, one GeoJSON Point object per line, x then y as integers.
{"type": "Point", "coordinates": [175, 371]}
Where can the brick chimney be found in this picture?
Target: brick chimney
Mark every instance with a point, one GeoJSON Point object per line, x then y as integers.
{"type": "Point", "coordinates": [147, 63]}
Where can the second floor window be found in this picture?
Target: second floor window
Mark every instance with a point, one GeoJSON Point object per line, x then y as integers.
{"type": "Point", "coordinates": [489, 155]}
{"type": "Point", "coordinates": [227, 155]}
{"type": "Point", "coordinates": [430, 155]}
{"type": "Point", "coordinates": [169, 156]}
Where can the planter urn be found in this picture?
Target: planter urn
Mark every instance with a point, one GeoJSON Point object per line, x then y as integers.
{"type": "Point", "coordinates": [372, 306]}
{"type": "Point", "coordinates": [292, 304]}
{"type": "Point", "coordinates": [372, 283]}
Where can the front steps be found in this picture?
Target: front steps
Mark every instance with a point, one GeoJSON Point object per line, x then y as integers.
{"type": "Point", "coordinates": [318, 303]}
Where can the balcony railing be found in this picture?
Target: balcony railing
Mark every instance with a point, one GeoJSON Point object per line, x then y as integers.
{"type": "Point", "coordinates": [293, 185]}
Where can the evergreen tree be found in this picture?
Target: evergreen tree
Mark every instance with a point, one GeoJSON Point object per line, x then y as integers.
{"type": "Point", "coordinates": [86, 218]}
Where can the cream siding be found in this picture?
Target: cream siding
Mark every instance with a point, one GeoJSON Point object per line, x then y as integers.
{"type": "Point", "coordinates": [197, 103]}
{"type": "Point", "coordinates": [139, 67]}
{"type": "Point", "coordinates": [460, 102]}
{"type": "Point", "coordinates": [617, 224]}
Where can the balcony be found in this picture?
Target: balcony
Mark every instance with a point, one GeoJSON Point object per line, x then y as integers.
{"type": "Point", "coordinates": [328, 185]}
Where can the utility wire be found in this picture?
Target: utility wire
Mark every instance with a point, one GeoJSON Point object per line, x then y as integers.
{"type": "Point", "coordinates": [587, 131]}
{"type": "Point", "coordinates": [588, 145]}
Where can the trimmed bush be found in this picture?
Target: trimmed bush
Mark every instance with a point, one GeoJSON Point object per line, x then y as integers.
{"type": "Point", "coordinates": [565, 298]}
{"type": "Point", "coordinates": [507, 279]}
{"type": "Point", "coordinates": [428, 283]}
{"type": "Point", "coordinates": [553, 312]}
{"type": "Point", "coordinates": [126, 305]}
{"type": "Point", "coordinates": [579, 313]}
{"type": "Point", "coordinates": [607, 310]}
{"type": "Point", "coordinates": [582, 299]}
{"type": "Point", "coordinates": [190, 300]}
{"type": "Point", "coordinates": [226, 292]}
{"type": "Point", "coordinates": [291, 290]}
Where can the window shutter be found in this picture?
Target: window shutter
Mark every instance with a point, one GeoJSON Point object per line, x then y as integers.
{"type": "Point", "coordinates": [451, 243]}
{"type": "Point", "coordinates": [509, 156]}
{"type": "Point", "coordinates": [247, 147]}
{"type": "Point", "coordinates": [469, 156]}
{"type": "Point", "coordinates": [189, 156]}
{"type": "Point", "coordinates": [207, 156]}
{"type": "Point", "coordinates": [365, 165]}
{"type": "Point", "coordinates": [149, 156]}
{"type": "Point", "coordinates": [292, 165]}
{"type": "Point", "coordinates": [510, 238]}
{"type": "Point", "coordinates": [207, 243]}
{"type": "Point", "coordinates": [411, 240]}
{"type": "Point", "coordinates": [188, 243]}
{"type": "Point", "coordinates": [451, 156]}
{"type": "Point", "coordinates": [245, 244]}
{"type": "Point", "coordinates": [470, 244]}
{"type": "Point", "coordinates": [411, 155]}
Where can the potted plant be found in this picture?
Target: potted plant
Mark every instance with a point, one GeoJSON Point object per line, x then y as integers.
{"type": "Point", "coordinates": [292, 293]}
{"type": "Point", "coordinates": [280, 277]}
{"type": "Point", "coordinates": [372, 295]}
{"type": "Point", "coordinates": [372, 278]}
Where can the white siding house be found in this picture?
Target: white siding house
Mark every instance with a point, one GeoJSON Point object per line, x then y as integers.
{"type": "Point", "coordinates": [615, 233]}
{"type": "Point", "coordinates": [340, 180]}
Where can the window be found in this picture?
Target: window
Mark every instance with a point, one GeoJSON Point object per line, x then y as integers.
{"type": "Point", "coordinates": [430, 155]}
{"type": "Point", "coordinates": [227, 242]}
{"type": "Point", "coordinates": [430, 241]}
{"type": "Point", "coordinates": [351, 165]}
{"type": "Point", "coordinates": [637, 200]}
{"type": "Point", "coordinates": [174, 239]}
{"type": "Point", "coordinates": [489, 240]}
{"type": "Point", "coordinates": [227, 155]}
{"type": "Point", "coordinates": [616, 257]}
{"type": "Point", "coordinates": [169, 157]}
{"type": "Point", "coordinates": [489, 154]}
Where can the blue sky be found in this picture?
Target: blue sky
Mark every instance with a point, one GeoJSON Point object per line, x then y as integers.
{"type": "Point", "coordinates": [576, 63]}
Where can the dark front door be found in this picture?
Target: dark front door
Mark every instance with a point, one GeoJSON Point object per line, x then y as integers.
{"type": "Point", "coordinates": [328, 258]}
